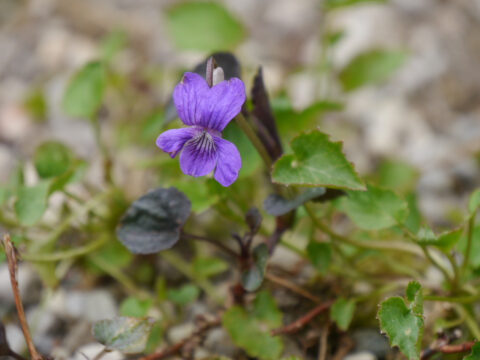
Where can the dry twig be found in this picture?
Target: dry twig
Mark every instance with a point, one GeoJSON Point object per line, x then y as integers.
{"type": "Point", "coordinates": [11, 254]}
{"type": "Point", "coordinates": [302, 321]}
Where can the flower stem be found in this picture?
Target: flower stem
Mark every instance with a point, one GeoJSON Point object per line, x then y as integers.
{"type": "Point", "coordinates": [182, 266]}
{"type": "Point", "coordinates": [469, 321]}
{"type": "Point", "coordinates": [458, 299]}
{"type": "Point", "coordinates": [254, 139]}
{"type": "Point", "coordinates": [67, 254]}
{"type": "Point", "coordinates": [374, 245]}
{"type": "Point", "coordinates": [471, 224]}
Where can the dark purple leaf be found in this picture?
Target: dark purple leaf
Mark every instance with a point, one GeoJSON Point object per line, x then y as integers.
{"type": "Point", "coordinates": [152, 223]}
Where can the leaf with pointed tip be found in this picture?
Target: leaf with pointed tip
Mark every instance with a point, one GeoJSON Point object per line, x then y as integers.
{"type": "Point", "coordinates": [404, 324]}
{"type": "Point", "coordinates": [277, 205]}
{"type": "Point", "coordinates": [320, 255]}
{"type": "Point", "coordinates": [31, 203]}
{"type": "Point", "coordinates": [316, 161]}
{"type": "Point", "coordinates": [374, 209]}
{"type": "Point", "coordinates": [252, 278]}
{"type": "Point", "coordinates": [152, 223]}
{"type": "Point", "coordinates": [342, 312]}
{"type": "Point", "coordinates": [445, 241]}
{"type": "Point", "coordinates": [126, 334]}
{"type": "Point", "coordinates": [245, 332]}
{"type": "Point", "coordinates": [84, 93]}
{"type": "Point", "coordinates": [370, 67]}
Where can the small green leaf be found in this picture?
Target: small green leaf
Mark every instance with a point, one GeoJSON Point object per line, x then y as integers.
{"type": "Point", "coordinates": [316, 161]}
{"type": "Point", "coordinates": [36, 104]}
{"type": "Point", "coordinates": [247, 334]}
{"type": "Point", "coordinates": [204, 26]}
{"type": "Point", "coordinates": [342, 313]}
{"type": "Point", "coordinates": [374, 209]}
{"type": "Point", "coordinates": [332, 4]}
{"type": "Point", "coordinates": [414, 218]}
{"type": "Point", "coordinates": [209, 266]}
{"type": "Point", "coordinates": [198, 193]}
{"type": "Point", "coordinates": [84, 93]}
{"type": "Point", "coordinates": [445, 241]}
{"type": "Point", "coordinates": [474, 256]}
{"type": "Point", "coordinates": [397, 175]}
{"type": "Point", "coordinates": [475, 354]}
{"type": "Point", "coordinates": [52, 159]}
{"type": "Point", "coordinates": [474, 201]}
{"type": "Point", "coordinates": [371, 67]}
{"type": "Point", "coordinates": [112, 44]}
{"type": "Point", "coordinates": [126, 334]}
{"type": "Point", "coordinates": [404, 325]}
{"type": "Point", "coordinates": [277, 205]}
{"type": "Point", "coordinates": [135, 307]}
{"type": "Point", "coordinates": [183, 295]}
{"type": "Point", "coordinates": [265, 310]}
{"type": "Point", "coordinates": [252, 278]}
{"type": "Point", "coordinates": [31, 203]}
{"type": "Point", "coordinates": [320, 255]}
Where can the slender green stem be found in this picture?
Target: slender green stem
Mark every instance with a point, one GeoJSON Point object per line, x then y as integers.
{"type": "Point", "coordinates": [252, 136]}
{"type": "Point", "coordinates": [371, 244]}
{"type": "Point", "coordinates": [128, 284]}
{"type": "Point", "coordinates": [379, 291]}
{"type": "Point", "coordinates": [182, 266]}
{"type": "Point", "coordinates": [471, 224]}
{"type": "Point", "coordinates": [469, 320]}
{"type": "Point", "coordinates": [450, 299]}
{"type": "Point", "coordinates": [84, 209]}
{"type": "Point", "coordinates": [107, 161]}
{"type": "Point", "coordinates": [67, 254]}
{"type": "Point", "coordinates": [439, 266]}
{"type": "Point", "coordinates": [293, 248]}
{"type": "Point", "coordinates": [456, 274]}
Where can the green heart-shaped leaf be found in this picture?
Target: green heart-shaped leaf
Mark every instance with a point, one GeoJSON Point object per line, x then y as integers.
{"type": "Point", "coordinates": [316, 161]}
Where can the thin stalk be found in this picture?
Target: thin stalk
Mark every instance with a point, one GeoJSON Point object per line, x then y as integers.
{"type": "Point", "coordinates": [252, 136]}
{"type": "Point", "coordinates": [439, 266]}
{"type": "Point", "coordinates": [182, 266]}
{"type": "Point", "coordinates": [450, 299]}
{"type": "Point", "coordinates": [128, 284]}
{"type": "Point", "coordinates": [216, 243]}
{"type": "Point", "coordinates": [84, 209]}
{"type": "Point", "coordinates": [107, 161]}
{"type": "Point", "coordinates": [67, 254]}
{"type": "Point", "coordinates": [471, 224]}
{"type": "Point", "coordinates": [469, 321]}
{"type": "Point", "coordinates": [371, 244]}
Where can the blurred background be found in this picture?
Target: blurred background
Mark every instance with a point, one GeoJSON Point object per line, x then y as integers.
{"type": "Point", "coordinates": [397, 81]}
{"type": "Point", "coordinates": [425, 113]}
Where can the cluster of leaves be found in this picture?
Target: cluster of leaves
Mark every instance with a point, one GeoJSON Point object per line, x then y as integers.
{"type": "Point", "coordinates": [313, 188]}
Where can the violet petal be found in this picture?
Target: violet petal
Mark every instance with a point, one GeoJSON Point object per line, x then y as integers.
{"type": "Point", "coordinates": [229, 162]}
{"type": "Point", "coordinates": [172, 141]}
{"type": "Point", "coordinates": [199, 155]}
{"type": "Point", "coordinates": [222, 103]}
{"type": "Point", "coordinates": [187, 97]}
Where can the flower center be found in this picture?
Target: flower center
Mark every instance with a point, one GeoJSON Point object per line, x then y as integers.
{"type": "Point", "coordinates": [203, 141]}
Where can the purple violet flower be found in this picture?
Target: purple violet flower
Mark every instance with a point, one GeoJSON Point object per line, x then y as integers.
{"type": "Point", "coordinates": [206, 111]}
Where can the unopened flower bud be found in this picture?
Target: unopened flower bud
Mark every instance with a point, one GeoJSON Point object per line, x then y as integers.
{"type": "Point", "coordinates": [218, 75]}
